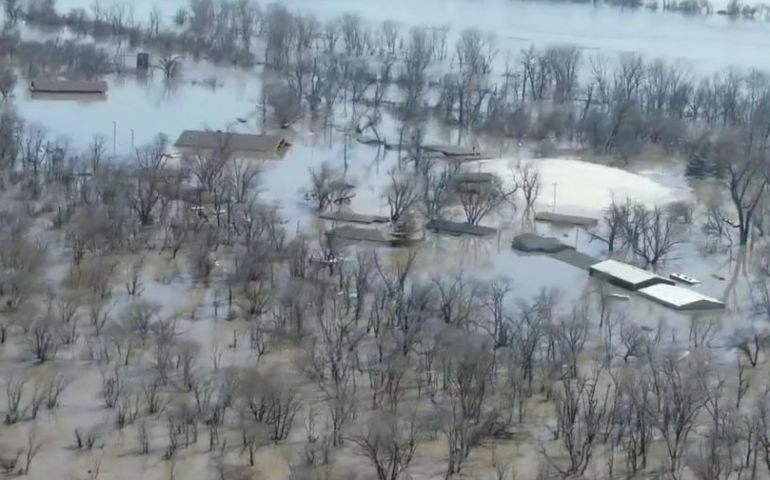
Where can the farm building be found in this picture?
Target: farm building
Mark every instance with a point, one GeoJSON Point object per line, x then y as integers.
{"type": "Point", "coordinates": [625, 275]}
{"type": "Point", "coordinates": [352, 217]}
{"type": "Point", "coordinates": [559, 218]}
{"type": "Point", "coordinates": [459, 228]}
{"type": "Point", "coordinates": [246, 143]}
{"type": "Point", "coordinates": [680, 298]}
{"type": "Point", "coordinates": [533, 243]}
{"type": "Point", "coordinates": [52, 85]}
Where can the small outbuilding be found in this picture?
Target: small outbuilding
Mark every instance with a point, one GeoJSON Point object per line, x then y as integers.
{"type": "Point", "coordinates": [356, 234]}
{"type": "Point", "coordinates": [532, 243]}
{"type": "Point", "coordinates": [246, 143]}
{"type": "Point", "coordinates": [52, 85]}
{"type": "Point", "coordinates": [680, 298]}
{"type": "Point", "coordinates": [352, 217]}
{"type": "Point", "coordinates": [563, 219]}
{"type": "Point", "coordinates": [626, 276]}
{"type": "Point", "coordinates": [459, 228]}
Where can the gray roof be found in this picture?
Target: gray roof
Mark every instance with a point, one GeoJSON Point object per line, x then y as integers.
{"type": "Point", "coordinates": [553, 217]}
{"type": "Point", "coordinates": [451, 150]}
{"type": "Point", "coordinates": [236, 142]}
{"type": "Point", "coordinates": [459, 228]}
{"type": "Point", "coordinates": [357, 234]}
{"type": "Point", "coordinates": [530, 242]}
{"type": "Point", "coordinates": [474, 177]}
{"type": "Point", "coordinates": [352, 217]}
{"type": "Point", "coordinates": [53, 85]}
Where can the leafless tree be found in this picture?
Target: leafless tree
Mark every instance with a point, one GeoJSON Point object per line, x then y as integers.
{"type": "Point", "coordinates": [328, 187]}
{"type": "Point", "coordinates": [680, 396]}
{"type": "Point", "coordinates": [388, 442]}
{"type": "Point", "coordinates": [527, 178]}
{"type": "Point", "coordinates": [170, 65]}
{"type": "Point", "coordinates": [652, 234]}
{"type": "Point", "coordinates": [582, 407]}
{"type": "Point", "coordinates": [402, 194]}
{"type": "Point", "coordinates": [43, 339]}
{"type": "Point", "coordinates": [7, 79]}
{"type": "Point", "coordinates": [33, 447]}
{"type": "Point", "coordinates": [481, 200]}
{"type": "Point", "coordinates": [14, 389]}
{"type": "Point", "coordinates": [13, 10]}
{"type": "Point", "coordinates": [145, 194]}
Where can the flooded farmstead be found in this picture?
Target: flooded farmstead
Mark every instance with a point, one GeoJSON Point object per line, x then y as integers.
{"type": "Point", "coordinates": [337, 239]}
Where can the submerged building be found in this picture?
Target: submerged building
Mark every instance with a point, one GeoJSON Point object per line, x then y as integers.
{"type": "Point", "coordinates": [52, 85]}
{"type": "Point", "coordinates": [680, 298]}
{"type": "Point", "coordinates": [626, 276]}
{"type": "Point", "coordinates": [270, 146]}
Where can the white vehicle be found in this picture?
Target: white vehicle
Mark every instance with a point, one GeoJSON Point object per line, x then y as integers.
{"type": "Point", "coordinates": [680, 277]}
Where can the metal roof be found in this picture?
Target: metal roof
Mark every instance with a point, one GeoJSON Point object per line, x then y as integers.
{"type": "Point", "coordinates": [238, 142]}
{"type": "Point", "coordinates": [680, 298]}
{"type": "Point", "coordinates": [553, 217]}
{"type": "Point", "coordinates": [53, 85]}
{"type": "Point", "coordinates": [459, 228]}
{"type": "Point", "coordinates": [625, 272]}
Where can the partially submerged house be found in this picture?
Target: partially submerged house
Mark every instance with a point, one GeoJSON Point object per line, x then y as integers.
{"type": "Point", "coordinates": [680, 298]}
{"type": "Point", "coordinates": [52, 85]}
{"type": "Point", "coordinates": [249, 144]}
{"type": "Point", "coordinates": [626, 276]}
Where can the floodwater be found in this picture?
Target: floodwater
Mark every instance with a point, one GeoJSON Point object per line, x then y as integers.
{"type": "Point", "coordinates": [135, 110]}
{"type": "Point", "coordinates": [703, 43]}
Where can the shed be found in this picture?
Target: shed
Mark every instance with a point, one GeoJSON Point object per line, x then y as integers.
{"type": "Point", "coordinates": [680, 298]}
{"type": "Point", "coordinates": [451, 150]}
{"type": "Point", "coordinates": [459, 228]}
{"type": "Point", "coordinates": [474, 177]}
{"type": "Point", "coordinates": [530, 242]}
{"type": "Point", "coordinates": [625, 275]}
{"type": "Point", "coordinates": [352, 217]}
{"type": "Point", "coordinates": [248, 143]}
{"type": "Point", "coordinates": [52, 85]}
{"type": "Point", "coordinates": [356, 234]}
{"type": "Point", "coordinates": [560, 218]}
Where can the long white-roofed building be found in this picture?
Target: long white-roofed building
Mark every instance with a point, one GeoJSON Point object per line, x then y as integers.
{"type": "Point", "coordinates": [680, 298]}
{"type": "Point", "coordinates": [625, 275]}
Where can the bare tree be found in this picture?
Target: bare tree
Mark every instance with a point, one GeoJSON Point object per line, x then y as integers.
{"type": "Point", "coordinates": [479, 201]}
{"type": "Point", "coordinates": [581, 409]}
{"type": "Point", "coordinates": [655, 234]}
{"type": "Point", "coordinates": [388, 442]}
{"type": "Point", "coordinates": [328, 187]}
{"type": "Point", "coordinates": [145, 195]}
{"type": "Point", "coordinates": [527, 178]}
{"type": "Point", "coordinates": [7, 79]}
{"type": "Point", "coordinates": [402, 194]}
{"type": "Point", "coordinates": [170, 65]}
{"type": "Point", "coordinates": [680, 396]}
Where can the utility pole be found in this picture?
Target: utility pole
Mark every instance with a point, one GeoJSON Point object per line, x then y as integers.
{"type": "Point", "coordinates": [555, 184]}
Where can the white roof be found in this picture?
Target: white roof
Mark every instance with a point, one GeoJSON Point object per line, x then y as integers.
{"type": "Point", "coordinates": [623, 271]}
{"type": "Point", "coordinates": [679, 297]}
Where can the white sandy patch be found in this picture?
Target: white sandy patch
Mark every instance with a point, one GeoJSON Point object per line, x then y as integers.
{"type": "Point", "coordinates": [587, 188]}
